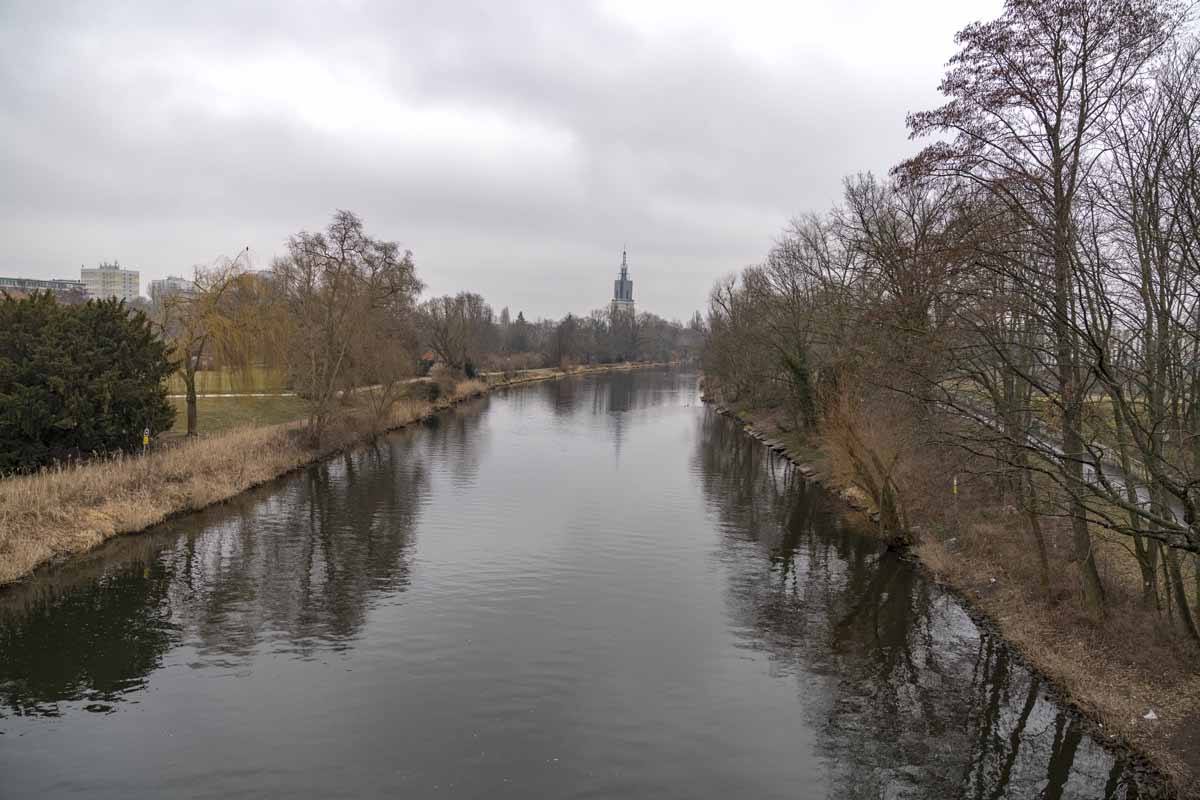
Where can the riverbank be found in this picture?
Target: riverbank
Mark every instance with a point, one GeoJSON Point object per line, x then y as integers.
{"type": "Point", "coordinates": [1141, 692]}
{"type": "Point", "coordinates": [58, 513]}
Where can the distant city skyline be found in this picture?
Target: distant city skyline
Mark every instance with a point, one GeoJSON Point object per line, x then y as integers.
{"type": "Point", "coordinates": [511, 147]}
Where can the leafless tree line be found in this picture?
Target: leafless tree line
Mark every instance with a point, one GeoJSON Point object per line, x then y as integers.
{"type": "Point", "coordinates": [1026, 289]}
{"type": "Point", "coordinates": [340, 316]}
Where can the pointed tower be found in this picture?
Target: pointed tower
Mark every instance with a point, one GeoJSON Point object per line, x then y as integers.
{"type": "Point", "coordinates": [623, 287]}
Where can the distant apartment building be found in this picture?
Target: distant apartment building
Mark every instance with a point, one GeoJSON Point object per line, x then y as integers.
{"type": "Point", "coordinates": [170, 286]}
{"type": "Point", "coordinates": [110, 280]}
{"type": "Point", "coordinates": [62, 288]}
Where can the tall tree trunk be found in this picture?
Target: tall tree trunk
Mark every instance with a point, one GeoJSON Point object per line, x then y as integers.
{"type": "Point", "coordinates": [1146, 550]}
{"type": "Point", "coordinates": [1072, 405]}
{"type": "Point", "coordinates": [1081, 538]}
{"type": "Point", "coordinates": [189, 383]}
{"type": "Point", "coordinates": [1170, 593]}
{"type": "Point", "coordinates": [1035, 527]}
{"type": "Point", "coordinates": [1017, 421]}
{"type": "Point", "coordinates": [1181, 598]}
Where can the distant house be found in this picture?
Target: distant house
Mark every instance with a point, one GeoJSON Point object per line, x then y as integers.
{"type": "Point", "coordinates": [111, 280]}
{"type": "Point", "coordinates": [426, 362]}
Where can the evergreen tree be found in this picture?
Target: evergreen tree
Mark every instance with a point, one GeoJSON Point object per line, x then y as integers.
{"type": "Point", "coordinates": [76, 380]}
{"type": "Point", "coordinates": [519, 339]}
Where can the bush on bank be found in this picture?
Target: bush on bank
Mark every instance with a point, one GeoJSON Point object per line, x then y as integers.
{"type": "Point", "coordinates": [77, 380]}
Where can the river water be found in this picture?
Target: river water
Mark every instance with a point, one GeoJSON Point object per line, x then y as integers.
{"type": "Point", "coordinates": [594, 587]}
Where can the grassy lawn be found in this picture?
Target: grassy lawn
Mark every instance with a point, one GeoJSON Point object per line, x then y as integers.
{"type": "Point", "coordinates": [219, 414]}
{"type": "Point", "coordinates": [253, 379]}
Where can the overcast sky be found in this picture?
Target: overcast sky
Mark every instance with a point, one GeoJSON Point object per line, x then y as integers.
{"type": "Point", "coordinates": [514, 147]}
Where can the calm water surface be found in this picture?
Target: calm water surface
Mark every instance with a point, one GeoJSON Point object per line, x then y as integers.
{"type": "Point", "coordinates": [589, 588]}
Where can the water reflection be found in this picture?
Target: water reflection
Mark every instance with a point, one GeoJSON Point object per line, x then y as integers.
{"type": "Point", "coordinates": [294, 569]}
{"type": "Point", "coordinates": [128, 619]}
{"type": "Point", "coordinates": [921, 703]}
{"type": "Point", "coordinates": [459, 439]}
{"type": "Point", "coordinates": [581, 588]}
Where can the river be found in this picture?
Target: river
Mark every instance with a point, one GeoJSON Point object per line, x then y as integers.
{"type": "Point", "coordinates": [595, 587]}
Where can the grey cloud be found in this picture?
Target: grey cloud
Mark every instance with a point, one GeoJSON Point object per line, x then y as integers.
{"type": "Point", "coordinates": [514, 147]}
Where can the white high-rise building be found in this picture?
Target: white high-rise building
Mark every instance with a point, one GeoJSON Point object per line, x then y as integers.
{"type": "Point", "coordinates": [170, 286]}
{"type": "Point", "coordinates": [109, 280]}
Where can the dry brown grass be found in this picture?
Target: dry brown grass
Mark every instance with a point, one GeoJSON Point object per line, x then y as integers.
{"type": "Point", "coordinates": [471, 388]}
{"type": "Point", "coordinates": [60, 512]}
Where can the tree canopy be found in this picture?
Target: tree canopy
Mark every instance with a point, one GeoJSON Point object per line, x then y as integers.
{"type": "Point", "coordinates": [77, 380]}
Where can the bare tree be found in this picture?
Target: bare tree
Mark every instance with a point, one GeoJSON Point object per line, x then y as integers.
{"type": "Point", "coordinates": [1032, 95]}
{"type": "Point", "coordinates": [459, 329]}
{"type": "Point", "coordinates": [337, 288]}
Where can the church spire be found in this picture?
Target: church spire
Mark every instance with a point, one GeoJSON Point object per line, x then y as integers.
{"type": "Point", "coordinates": [623, 286]}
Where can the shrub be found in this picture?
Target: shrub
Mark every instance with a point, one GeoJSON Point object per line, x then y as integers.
{"type": "Point", "coordinates": [444, 379]}
{"type": "Point", "coordinates": [76, 380]}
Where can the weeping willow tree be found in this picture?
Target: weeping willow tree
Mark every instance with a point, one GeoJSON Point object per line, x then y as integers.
{"type": "Point", "coordinates": [223, 321]}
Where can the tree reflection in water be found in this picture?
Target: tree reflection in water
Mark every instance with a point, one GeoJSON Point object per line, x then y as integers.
{"type": "Point", "coordinates": [128, 618]}
{"type": "Point", "coordinates": [293, 568]}
{"type": "Point", "coordinates": [914, 699]}
{"type": "Point", "coordinates": [906, 697]}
